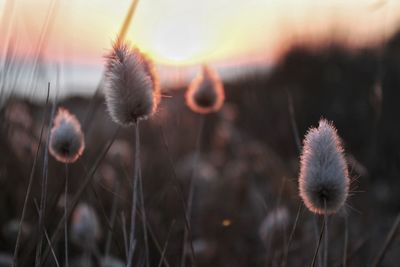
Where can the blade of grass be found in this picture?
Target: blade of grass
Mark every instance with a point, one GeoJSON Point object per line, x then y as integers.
{"type": "Point", "coordinates": [113, 215]}
{"type": "Point", "coordinates": [293, 123]}
{"type": "Point", "coordinates": [43, 197]}
{"type": "Point", "coordinates": [179, 190]}
{"type": "Point", "coordinates": [389, 238]}
{"type": "Point", "coordinates": [28, 190]}
{"type": "Point", "coordinates": [299, 212]}
{"type": "Point", "coordinates": [166, 245]}
{"type": "Point", "coordinates": [47, 236]}
{"type": "Point", "coordinates": [85, 183]}
{"type": "Point", "coordinates": [191, 189]}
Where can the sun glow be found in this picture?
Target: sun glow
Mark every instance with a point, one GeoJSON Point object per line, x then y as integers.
{"type": "Point", "coordinates": [190, 32]}
{"type": "Point", "coordinates": [196, 32]}
{"type": "Point", "coordinates": [179, 43]}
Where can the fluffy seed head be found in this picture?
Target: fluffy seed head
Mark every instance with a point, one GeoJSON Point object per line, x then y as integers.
{"type": "Point", "coordinates": [206, 92]}
{"type": "Point", "coordinates": [275, 222]}
{"type": "Point", "coordinates": [66, 137]}
{"type": "Point", "coordinates": [324, 178]}
{"type": "Point", "coordinates": [132, 87]}
{"type": "Point", "coordinates": [85, 229]}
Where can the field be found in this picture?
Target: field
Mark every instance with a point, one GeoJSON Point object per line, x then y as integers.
{"type": "Point", "coordinates": [244, 162]}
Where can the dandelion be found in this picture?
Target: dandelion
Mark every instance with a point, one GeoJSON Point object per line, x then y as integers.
{"type": "Point", "coordinates": [132, 87]}
{"type": "Point", "coordinates": [324, 179]}
{"type": "Point", "coordinates": [206, 92]}
{"type": "Point", "coordinates": [66, 137]}
{"type": "Point", "coordinates": [85, 230]}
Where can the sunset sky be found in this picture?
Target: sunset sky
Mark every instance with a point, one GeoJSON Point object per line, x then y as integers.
{"type": "Point", "coordinates": [187, 32]}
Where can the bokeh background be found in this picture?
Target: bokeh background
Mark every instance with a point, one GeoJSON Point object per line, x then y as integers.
{"type": "Point", "coordinates": [285, 65]}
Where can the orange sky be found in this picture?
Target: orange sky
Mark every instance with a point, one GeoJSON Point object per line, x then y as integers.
{"type": "Point", "coordinates": [190, 32]}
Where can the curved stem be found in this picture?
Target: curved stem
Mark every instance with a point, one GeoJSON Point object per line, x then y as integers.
{"type": "Point", "coordinates": [28, 190]}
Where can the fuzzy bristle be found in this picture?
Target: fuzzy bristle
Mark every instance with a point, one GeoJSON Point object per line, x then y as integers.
{"type": "Point", "coordinates": [324, 179]}
{"type": "Point", "coordinates": [66, 137]}
{"type": "Point", "coordinates": [206, 92]}
{"type": "Point", "coordinates": [132, 86]}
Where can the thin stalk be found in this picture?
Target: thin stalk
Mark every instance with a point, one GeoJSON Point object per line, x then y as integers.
{"type": "Point", "coordinates": [47, 236]}
{"type": "Point", "coordinates": [293, 122]}
{"type": "Point", "coordinates": [299, 211]}
{"type": "Point", "coordinates": [326, 240]}
{"type": "Point", "coordinates": [316, 234]}
{"type": "Point", "coordinates": [113, 215]}
{"type": "Point", "coordinates": [65, 214]}
{"type": "Point", "coordinates": [388, 241]}
{"type": "Point", "coordinates": [191, 190]}
{"type": "Point", "coordinates": [165, 245]}
{"type": "Point", "coordinates": [28, 190]}
{"type": "Point", "coordinates": [319, 243]}
{"type": "Point", "coordinates": [97, 199]}
{"type": "Point", "coordinates": [144, 220]}
{"type": "Point", "coordinates": [51, 248]}
{"type": "Point", "coordinates": [43, 197]}
{"type": "Point", "coordinates": [179, 189]}
{"type": "Point", "coordinates": [346, 240]}
{"type": "Point", "coordinates": [125, 235]}
{"type": "Point", "coordinates": [74, 201]}
{"type": "Point", "coordinates": [134, 195]}
{"type": "Point", "coordinates": [155, 241]}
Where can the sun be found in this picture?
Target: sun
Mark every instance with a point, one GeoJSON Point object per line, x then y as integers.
{"type": "Point", "coordinates": [178, 42]}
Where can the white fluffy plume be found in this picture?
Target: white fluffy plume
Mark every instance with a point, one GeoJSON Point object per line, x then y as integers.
{"type": "Point", "coordinates": [324, 178]}
{"type": "Point", "coordinates": [206, 92]}
{"type": "Point", "coordinates": [66, 137]}
{"type": "Point", "coordinates": [132, 87]}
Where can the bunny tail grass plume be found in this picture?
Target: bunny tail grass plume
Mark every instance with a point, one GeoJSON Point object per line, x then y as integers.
{"type": "Point", "coordinates": [324, 178]}
{"type": "Point", "coordinates": [132, 86]}
{"type": "Point", "coordinates": [206, 92]}
{"type": "Point", "coordinates": [66, 137]}
{"type": "Point", "coordinates": [85, 229]}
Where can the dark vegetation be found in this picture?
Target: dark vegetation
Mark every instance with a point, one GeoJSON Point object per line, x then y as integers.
{"type": "Point", "coordinates": [247, 168]}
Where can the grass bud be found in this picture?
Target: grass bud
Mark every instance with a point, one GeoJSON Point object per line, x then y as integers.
{"type": "Point", "coordinates": [132, 87]}
{"type": "Point", "coordinates": [324, 179]}
{"type": "Point", "coordinates": [66, 137]}
{"type": "Point", "coordinates": [206, 92]}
